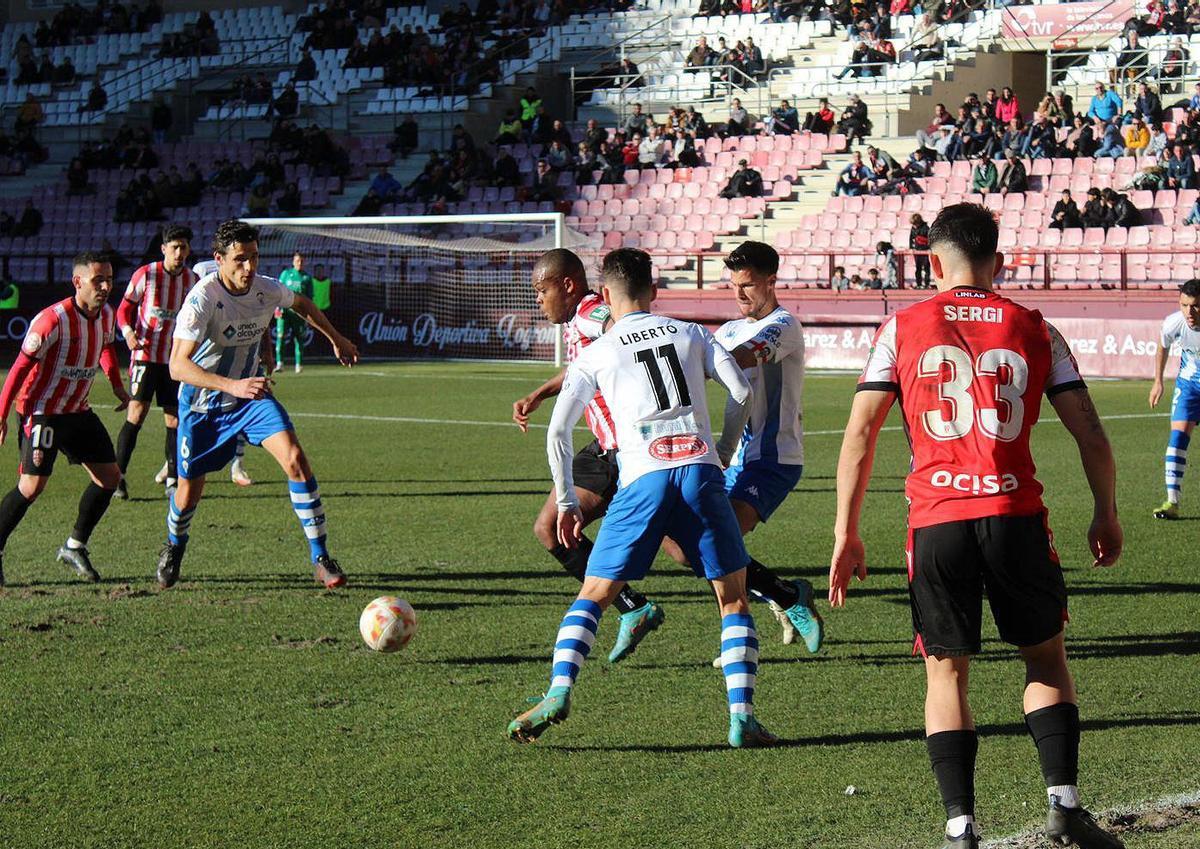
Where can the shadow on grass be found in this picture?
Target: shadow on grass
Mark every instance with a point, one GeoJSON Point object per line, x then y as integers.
{"type": "Point", "coordinates": [911, 735]}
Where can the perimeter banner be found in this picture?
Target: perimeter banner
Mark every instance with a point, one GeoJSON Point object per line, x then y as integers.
{"type": "Point", "coordinates": [1065, 25]}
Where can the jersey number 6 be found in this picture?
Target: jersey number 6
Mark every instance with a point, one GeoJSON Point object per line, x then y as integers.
{"type": "Point", "coordinates": [1003, 421]}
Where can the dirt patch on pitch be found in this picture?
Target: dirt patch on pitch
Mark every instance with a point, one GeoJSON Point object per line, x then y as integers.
{"type": "Point", "coordinates": [296, 643]}
{"type": "Point", "coordinates": [123, 591]}
{"type": "Point", "coordinates": [1157, 820]}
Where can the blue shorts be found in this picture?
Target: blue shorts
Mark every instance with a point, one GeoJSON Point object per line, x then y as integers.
{"type": "Point", "coordinates": [687, 504]}
{"type": "Point", "coordinates": [1185, 405]}
{"type": "Point", "coordinates": [208, 441]}
{"type": "Point", "coordinates": [762, 484]}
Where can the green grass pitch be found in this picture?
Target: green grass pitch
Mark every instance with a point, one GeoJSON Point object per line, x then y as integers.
{"type": "Point", "coordinates": [241, 708]}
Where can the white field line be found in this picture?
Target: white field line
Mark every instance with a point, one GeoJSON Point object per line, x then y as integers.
{"type": "Point", "coordinates": [479, 423]}
{"type": "Point", "coordinates": [1024, 839]}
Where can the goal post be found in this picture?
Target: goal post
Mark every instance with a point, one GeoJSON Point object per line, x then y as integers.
{"type": "Point", "coordinates": [448, 286]}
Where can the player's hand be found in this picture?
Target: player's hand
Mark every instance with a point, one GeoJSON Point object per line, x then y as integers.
{"type": "Point", "coordinates": [849, 558]}
{"type": "Point", "coordinates": [252, 388]}
{"type": "Point", "coordinates": [123, 398]}
{"type": "Point", "coordinates": [345, 350]}
{"type": "Point", "coordinates": [1105, 539]}
{"type": "Point", "coordinates": [522, 408]}
{"type": "Point", "coordinates": [1156, 393]}
{"type": "Point", "coordinates": [134, 343]}
{"type": "Point", "coordinates": [570, 527]}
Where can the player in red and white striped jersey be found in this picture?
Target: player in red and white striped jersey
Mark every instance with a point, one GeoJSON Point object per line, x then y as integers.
{"type": "Point", "coordinates": [147, 320]}
{"type": "Point", "coordinates": [969, 369]}
{"type": "Point", "coordinates": [66, 344]}
{"type": "Point", "coordinates": [560, 281]}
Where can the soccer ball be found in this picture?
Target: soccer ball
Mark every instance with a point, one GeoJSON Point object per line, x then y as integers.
{"type": "Point", "coordinates": [387, 623]}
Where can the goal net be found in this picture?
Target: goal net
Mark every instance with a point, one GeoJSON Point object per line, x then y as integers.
{"type": "Point", "coordinates": [429, 286]}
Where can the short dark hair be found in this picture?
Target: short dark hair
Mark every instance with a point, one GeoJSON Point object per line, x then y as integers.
{"type": "Point", "coordinates": [560, 263]}
{"type": "Point", "coordinates": [628, 270]}
{"type": "Point", "coordinates": [969, 227]}
{"type": "Point", "coordinates": [1191, 288]}
{"type": "Point", "coordinates": [230, 232]}
{"type": "Point", "coordinates": [756, 256]}
{"type": "Point", "coordinates": [176, 232]}
{"type": "Point", "coordinates": [88, 257]}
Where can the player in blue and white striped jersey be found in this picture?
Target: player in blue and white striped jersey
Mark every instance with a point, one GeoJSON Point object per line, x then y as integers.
{"type": "Point", "coordinates": [224, 393]}
{"type": "Point", "coordinates": [1181, 328]}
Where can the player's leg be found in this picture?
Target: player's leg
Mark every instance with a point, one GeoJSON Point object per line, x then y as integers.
{"type": "Point", "coordinates": [141, 391]}
{"type": "Point", "coordinates": [280, 332]}
{"type": "Point", "coordinates": [237, 469]}
{"type": "Point", "coordinates": [1028, 598]}
{"type": "Point", "coordinates": [29, 486]}
{"type": "Point", "coordinates": [298, 328]}
{"type": "Point", "coordinates": [946, 596]}
{"type": "Point", "coordinates": [705, 527]}
{"type": "Point", "coordinates": [84, 439]}
{"type": "Point", "coordinates": [595, 473]}
{"type": "Point", "coordinates": [625, 548]}
{"type": "Point", "coordinates": [171, 445]}
{"type": "Point", "coordinates": [1185, 412]}
{"type": "Point", "coordinates": [302, 486]}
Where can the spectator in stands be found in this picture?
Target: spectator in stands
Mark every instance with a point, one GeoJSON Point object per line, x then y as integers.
{"type": "Point", "coordinates": [978, 139]}
{"type": "Point", "coordinates": [64, 74]}
{"type": "Point", "coordinates": [509, 131]}
{"type": "Point", "coordinates": [539, 129]}
{"type": "Point", "coordinates": [611, 163]}
{"type": "Point", "coordinates": [369, 205]}
{"type": "Point", "coordinates": [306, 68]}
{"type": "Point", "coordinates": [530, 101]}
{"type": "Point", "coordinates": [1066, 213]}
{"type": "Point", "coordinates": [873, 281]}
{"type": "Point", "coordinates": [1122, 211]}
{"type": "Point", "coordinates": [1040, 139]}
{"type": "Point", "coordinates": [1106, 103]}
{"type": "Point", "coordinates": [694, 123]}
{"type": "Point", "coordinates": [1112, 143]}
{"type": "Point", "coordinates": [587, 161]}
{"type": "Point", "coordinates": [544, 186]}
{"type": "Point", "coordinates": [985, 179]}
{"type": "Point", "coordinates": [1012, 140]}
{"type": "Point", "coordinates": [77, 179]}
{"type": "Point", "coordinates": [1159, 143]}
{"type": "Point", "coordinates": [929, 135]}
{"type": "Point", "coordinates": [745, 183]}
{"type": "Point", "coordinates": [97, 99]}
{"type": "Point", "coordinates": [1080, 141]}
{"type": "Point", "coordinates": [925, 41]}
{"type": "Point", "coordinates": [30, 114]}
{"type": "Point", "coordinates": [287, 104]}
{"type": "Point", "coordinates": [820, 121]}
{"type": "Point", "coordinates": [558, 157]}
{"type": "Point", "coordinates": [783, 120]}
{"type": "Point", "coordinates": [505, 171]}
{"type": "Point", "coordinates": [918, 240]}
{"type": "Point", "coordinates": [880, 162]}
{"type": "Point", "coordinates": [1148, 106]}
{"type": "Point", "coordinates": [891, 265]}
{"type": "Point", "coordinates": [1007, 107]}
{"type": "Point", "coordinates": [1013, 179]}
{"type": "Point", "coordinates": [861, 63]}
{"type": "Point", "coordinates": [1193, 217]}
{"type": "Point", "coordinates": [651, 149]}
{"type": "Point", "coordinates": [1173, 66]}
{"type": "Point", "coordinates": [854, 123]}
{"type": "Point", "coordinates": [684, 150]}
{"type": "Point", "coordinates": [739, 120]}
{"type": "Point", "coordinates": [1181, 170]}
{"type": "Point", "coordinates": [1137, 138]}
{"type": "Point", "coordinates": [1187, 132]}
{"type": "Point", "coordinates": [752, 59]}
{"type": "Point", "coordinates": [701, 56]}
{"type": "Point", "coordinates": [594, 135]}
{"type": "Point", "coordinates": [30, 223]}
{"type": "Point", "coordinates": [838, 282]}
{"type": "Point", "coordinates": [288, 202]}
{"type": "Point", "coordinates": [638, 121]}
{"type": "Point", "coordinates": [1133, 58]}
{"type": "Point", "coordinates": [854, 179]}
{"type": "Point", "coordinates": [990, 99]}
{"type": "Point", "coordinates": [386, 187]}
{"type": "Point", "coordinates": [1094, 213]}
{"type": "Point", "coordinates": [405, 137]}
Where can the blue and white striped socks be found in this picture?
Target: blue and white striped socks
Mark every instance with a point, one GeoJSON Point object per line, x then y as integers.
{"type": "Point", "coordinates": [1176, 463]}
{"type": "Point", "coordinates": [306, 501]}
{"type": "Point", "coordinates": [575, 637]}
{"type": "Point", "coordinates": [178, 522]}
{"type": "Point", "coordinates": [739, 660]}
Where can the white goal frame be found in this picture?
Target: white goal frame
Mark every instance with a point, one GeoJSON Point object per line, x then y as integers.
{"type": "Point", "coordinates": [557, 219]}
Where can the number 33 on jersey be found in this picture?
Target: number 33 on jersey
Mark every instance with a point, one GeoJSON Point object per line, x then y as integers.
{"type": "Point", "coordinates": [971, 367]}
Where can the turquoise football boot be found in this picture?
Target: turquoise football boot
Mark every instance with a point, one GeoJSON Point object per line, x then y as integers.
{"type": "Point", "coordinates": [635, 625]}
{"type": "Point", "coordinates": [551, 709]}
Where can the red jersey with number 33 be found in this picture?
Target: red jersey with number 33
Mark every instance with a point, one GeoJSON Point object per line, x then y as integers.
{"type": "Point", "coordinates": [970, 368]}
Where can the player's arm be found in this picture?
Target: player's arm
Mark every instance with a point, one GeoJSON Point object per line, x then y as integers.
{"type": "Point", "coordinates": [126, 315]}
{"type": "Point", "coordinates": [112, 369]}
{"type": "Point", "coordinates": [867, 415]}
{"type": "Point", "coordinates": [343, 348]}
{"type": "Point", "coordinates": [725, 371]}
{"type": "Point", "coordinates": [186, 371]}
{"type": "Point", "coordinates": [1077, 412]}
{"type": "Point", "coordinates": [12, 385]}
{"type": "Point", "coordinates": [523, 407]}
{"type": "Point", "coordinates": [1160, 365]}
{"type": "Point", "coordinates": [578, 388]}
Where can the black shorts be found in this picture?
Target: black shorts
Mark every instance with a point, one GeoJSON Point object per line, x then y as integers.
{"type": "Point", "coordinates": [596, 470]}
{"type": "Point", "coordinates": [81, 436]}
{"type": "Point", "coordinates": [153, 380]}
{"type": "Point", "coordinates": [951, 565]}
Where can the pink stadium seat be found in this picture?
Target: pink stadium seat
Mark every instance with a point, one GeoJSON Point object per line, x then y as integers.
{"type": "Point", "coordinates": [1142, 199]}
{"type": "Point", "coordinates": [1187, 197]}
{"type": "Point", "coordinates": [623, 222]}
{"type": "Point", "coordinates": [802, 238]}
{"type": "Point", "coordinates": [942, 169]}
{"type": "Point", "coordinates": [1139, 236]}
{"type": "Point", "coordinates": [836, 204]}
{"type": "Point", "coordinates": [893, 203]}
{"type": "Point", "coordinates": [1015, 202]}
{"type": "Point", "coordinates": [669, 239]}
{"type": "Point", "coordinates": [1040, 167]}
{"type": "Point", "coordinates": [1093, 237]}
{"type": "Point", "coordinates": [1116, 237]}
{"type": "Point", "coordinates": [1073, 238]}
{"type": "Point", "coordinates": [612, 240]}
{"type": "Point", "coordinates": [1061, 165]}
{"type": "Point", "coordinates": [1125, 166]}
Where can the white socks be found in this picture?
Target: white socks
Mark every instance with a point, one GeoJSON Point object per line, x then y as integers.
{"type": "Point", "coordinates": [957, 827]}
{"type": "Point", "coordinates": [1068, 795]}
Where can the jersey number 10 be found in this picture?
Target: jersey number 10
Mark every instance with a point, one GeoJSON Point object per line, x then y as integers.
{"type": "Point", "coordinates": [1002, 422]}
{"type": "Point", "coordinates": [668, 353]}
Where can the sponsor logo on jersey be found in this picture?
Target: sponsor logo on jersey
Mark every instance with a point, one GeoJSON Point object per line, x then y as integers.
{"type": "Point", "coordinates": [229, 332]}
{"type": "Point", "coordinates": [33, 342]}
{"type": "Point", "coordinates": [163, 314]}
{"type": "Point", "coordinates": [975, 484]}
{"type": "Point", "coordinates": [76, 373]}
{"type": "Point", "coordinates": [682, 447]}
{"type": "Point", "coordinates": [37, 457]}
{"type": "Point", "coordinates": [969, 293]}
{"type": "Point", "coordinates": [600, 313]}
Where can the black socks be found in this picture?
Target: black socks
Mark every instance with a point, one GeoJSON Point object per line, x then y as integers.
{"type": "Point", "coordinates": [765, 584]}
{"type": "Point", "coordinates": [169, 448]}
{"type": "Point", "coordinates": [12, 511]}
{"type": "Point", "coordinates": [1055, 732]}
{"type": "Point", "coordinates": [952, 754]}
{"type": "Point", "coordinates": [92, 504]}
{"type": "Point", "coordinates": [126, 442]}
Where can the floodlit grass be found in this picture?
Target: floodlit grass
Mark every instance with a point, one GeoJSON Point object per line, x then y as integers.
{"type": "Point", "coordinates": [241, 708]}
